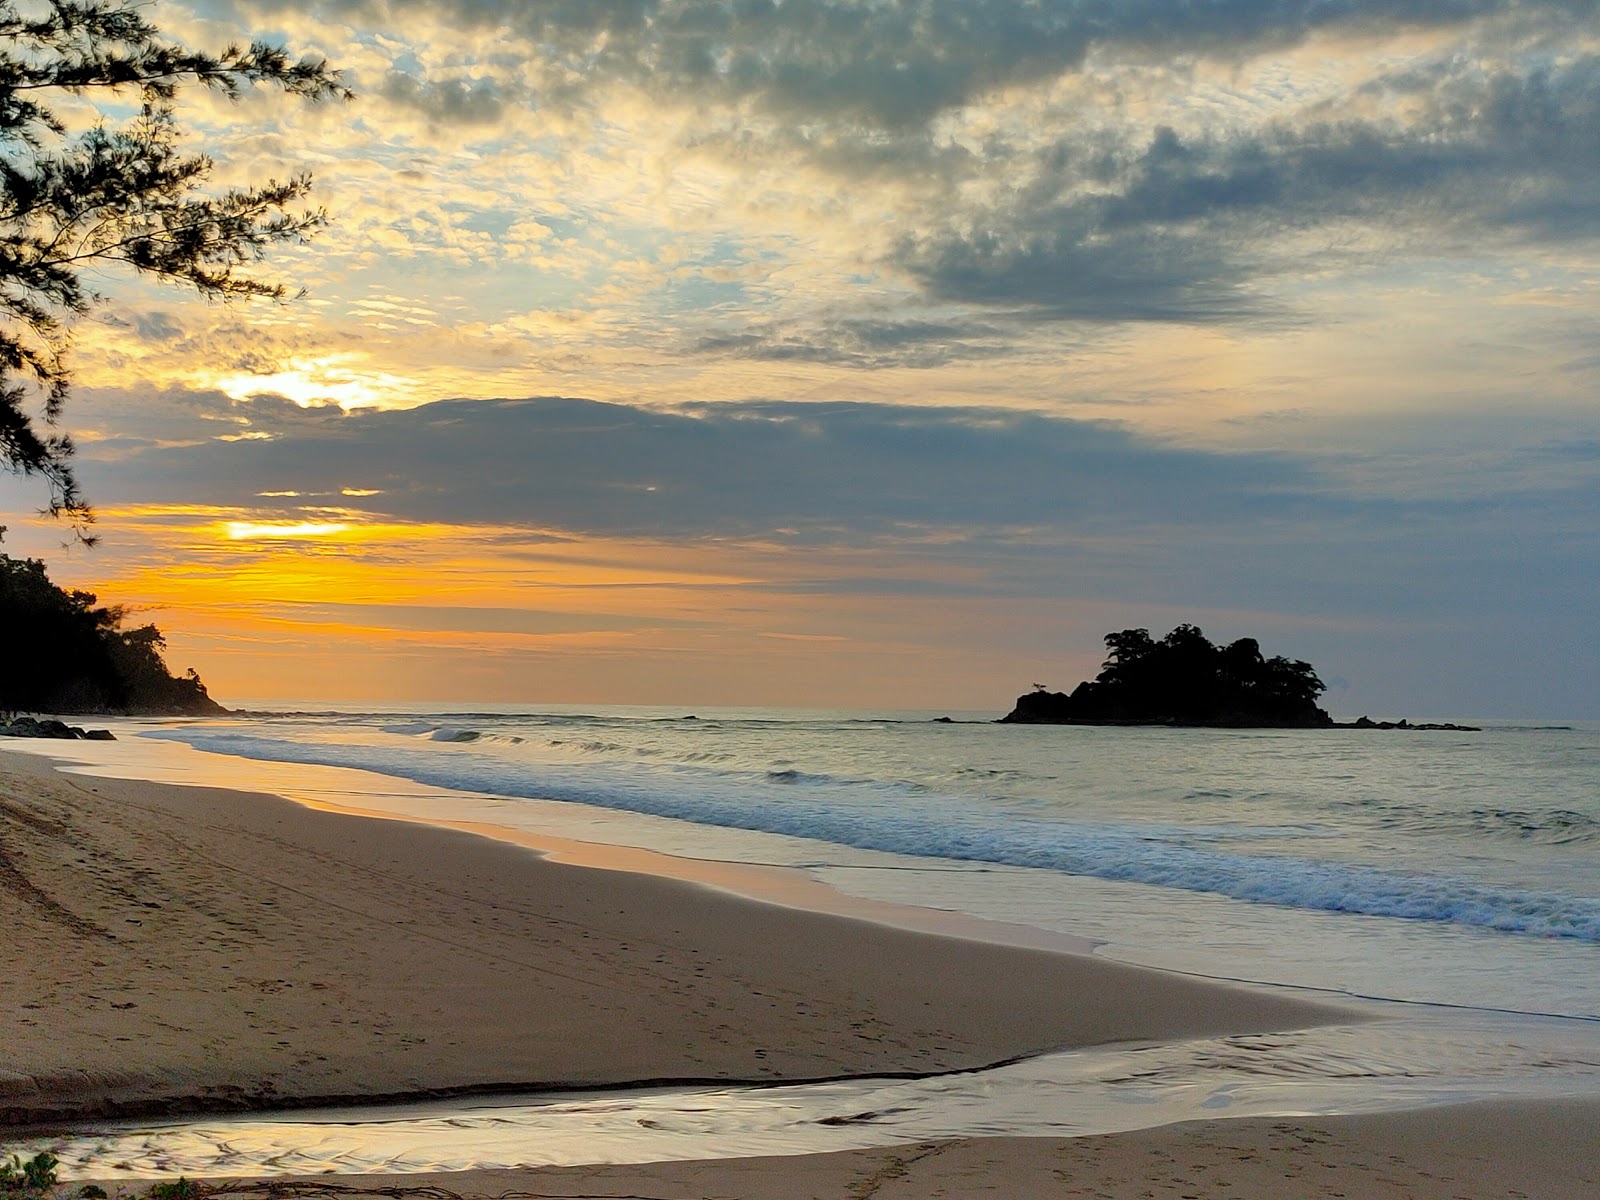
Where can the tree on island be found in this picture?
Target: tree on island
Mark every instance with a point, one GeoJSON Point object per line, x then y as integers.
{"type": "Point", "coordinates": [1183, 680]}
{"type": "Point", "coordinates": [121, 192]}
{"type": "Point", "coordinates": [65, 654]}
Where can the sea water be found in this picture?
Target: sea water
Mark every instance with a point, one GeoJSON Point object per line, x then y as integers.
{"type": "Point", "coordinates": [1452, 877]}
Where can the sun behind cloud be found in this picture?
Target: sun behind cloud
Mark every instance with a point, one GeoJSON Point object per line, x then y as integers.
{"type": "Point", "coordinates": [240, 531]}
{"type": "Point", "coordinates": [348, 380]}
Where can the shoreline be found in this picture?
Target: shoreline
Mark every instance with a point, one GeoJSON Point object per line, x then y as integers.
{"type": "Point", "coordinates": [1191, 903]}
{"type": "Point", "coordinates": [184, 949]}
{"type": "Point", "coordinates": [580, 843]}
{"type": "Point", "coordinates": [288, 854]}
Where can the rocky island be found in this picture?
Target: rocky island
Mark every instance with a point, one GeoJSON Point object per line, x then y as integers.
{"type": "Point", "coordinates": [1186, 680]}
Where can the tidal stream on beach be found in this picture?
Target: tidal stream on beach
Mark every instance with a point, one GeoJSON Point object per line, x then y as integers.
{"type": "Point", "coordinates": [1445, 883]}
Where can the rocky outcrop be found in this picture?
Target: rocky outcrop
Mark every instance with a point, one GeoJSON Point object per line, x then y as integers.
{"type": "Point", "coordinates": [1402, 723]}
{"type": "Point", "coordinates": [1183, 680]}
{"type": "Point", "coordinates": [28, 727]}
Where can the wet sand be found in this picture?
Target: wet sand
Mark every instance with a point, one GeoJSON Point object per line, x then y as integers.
{"type": "Point", "coordinates": [1528, 1150]}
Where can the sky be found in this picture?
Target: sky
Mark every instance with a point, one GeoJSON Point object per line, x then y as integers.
{"type": "Point", "coordinates": [874, 353]}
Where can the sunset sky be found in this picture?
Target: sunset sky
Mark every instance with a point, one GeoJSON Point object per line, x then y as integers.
{"type": "Point", "coordinates": [875, 353]}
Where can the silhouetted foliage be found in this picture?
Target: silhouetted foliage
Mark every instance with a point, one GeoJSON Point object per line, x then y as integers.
{"type": "Point", "coordinates": [64, 654]}
{"type": "Point", "coordinates": [122, 192]}
{"type": "Point", "coordinates": [1183, 680]}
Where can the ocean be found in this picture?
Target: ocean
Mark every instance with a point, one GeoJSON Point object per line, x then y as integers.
{"type": "Point", "coordinates": [1450, 880]}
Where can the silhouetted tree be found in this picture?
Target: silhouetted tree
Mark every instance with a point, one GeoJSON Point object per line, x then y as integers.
{"type": "Point", "coordinates": [1127, 648]}
{"type": "Point", "coordinates": [123, 192]}
{"type": "Point", "coordinates": [53, 637]}
{"type": "Point", "coordinates": [66, 654]}
{"type": "Point", "coordinates": [1241, 665]}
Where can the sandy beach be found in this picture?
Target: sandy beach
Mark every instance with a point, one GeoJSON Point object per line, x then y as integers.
{"type": "Point", "coordinates": [179, 950]}
{"type": "Point", "coordinates": [182, 949]}
{"type": "Point", "coordinates": [1504, 1151]}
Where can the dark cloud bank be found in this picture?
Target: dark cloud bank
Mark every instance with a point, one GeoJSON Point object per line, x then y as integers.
{"type": "Point", "coordinates": [890, 64]}
{"type": "Point", "coordinates": [847, 474]}
{"type": "Point", "coordinates": [753, 469]}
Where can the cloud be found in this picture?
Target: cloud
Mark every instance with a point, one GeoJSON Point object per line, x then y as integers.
{"type": "Point", "coordinates": [638, 188]}
{"type": "Point", "coordinates": [452, 101]}
{"type": "Point", "coordinates": [867, 343]}
{"type": "Point", "coordinates": [470, 619]}
{"type": "Point", "coordinates": [888, 65]}
{"type": "Point", "coordinates": [792, 471]}
{"type": "Point", "coordinates": [1189, 227]}
{"type": "Point", "coordinates": [158, 326]}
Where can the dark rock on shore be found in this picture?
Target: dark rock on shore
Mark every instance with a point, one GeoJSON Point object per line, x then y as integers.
{"type": "Point", "coordinates": [1402, 723]}
{"type": "Point", "coordinates": [28, 727]}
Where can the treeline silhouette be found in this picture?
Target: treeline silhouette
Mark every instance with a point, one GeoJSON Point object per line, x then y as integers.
{"type": "Point", "coordinates": [64, 654]}
{"type": "Point", "coordinates": [1183, 680]}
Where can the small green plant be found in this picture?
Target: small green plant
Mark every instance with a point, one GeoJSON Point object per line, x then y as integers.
{"type": "Point", "coordinates": [179, 1189]}
{"type": "Point", "coordinates": [34, 1175]}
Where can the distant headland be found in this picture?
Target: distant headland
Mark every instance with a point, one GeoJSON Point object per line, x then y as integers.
{"type": "Point", "coordinates": [67, 655]}
{"type": "Point", "coordinates": [1185, 680]}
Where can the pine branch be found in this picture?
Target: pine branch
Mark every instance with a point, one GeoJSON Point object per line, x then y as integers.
{"type": "Point", "coordinates": [118, 193]}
